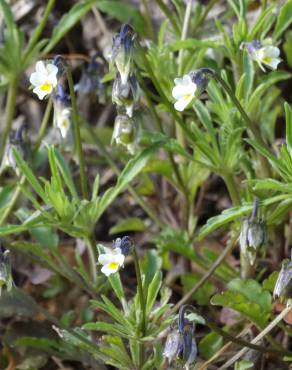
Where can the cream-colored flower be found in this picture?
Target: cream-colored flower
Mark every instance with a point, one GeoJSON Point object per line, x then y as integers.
{"type": "Point", "coordinates": [269, 56]}
{"type": "Point", "coordinates": [184, 92]}
{"type": "Point", "coordinates": [62, 118]}
{"type": "Point", "coordinates": [112, 260]}
{"type": "Point", "coordinates": [44, 79]}
{"type": "Point", "coordinates": [263, 54]}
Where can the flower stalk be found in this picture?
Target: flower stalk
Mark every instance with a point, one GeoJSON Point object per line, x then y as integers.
{"type": "Point", "coordinates": [77, 136]}
{"type": "Point", "coordinates": [142, 299]}
{"type": "Point", "coordinates": [9, 112]}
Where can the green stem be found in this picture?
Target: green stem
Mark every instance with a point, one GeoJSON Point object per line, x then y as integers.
{"type": "Point", "coordinates": [9, 113]}
{"type": "Point", "coordinates": [38, 31]}
{"type": "Point", "coordinates": [169, 15]}
{"type": "Point", "coordinates": [184, 33]}
{"type": "Point", "coordinates": [77, 136]}
{"type": "Point", "coordinates": [249, 123]}
{"type": "Point", "coordinates": [92, 260]}
{"type": "Point", "coordinates": [148, 19]}
{"type": "Point", "coordinates": [44, 124]}
{"type": "Point", "coordinates": [17, 192]}
{"type": "Point", "coordinates": [232, 188]}
{"type": "Point", "coordinates": [142, 302]}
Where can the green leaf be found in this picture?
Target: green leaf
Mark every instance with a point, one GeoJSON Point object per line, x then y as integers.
{"type": "Point", "coordinates": [224, 218]}
{"type": "Point", "coordinates": [43, 234]}
{"type": "Point", "coordinates": [248, 298]}
{"type": "Point", "coordinates": [65, 172]}
{"type": "Point", "coordinates": [17, 303]}
{"type": "Point", "coordinates": [270, 282]}
{"type": "Point", "coordinates": [123, 12]}
{"type": "Point", "coordinates": [29, 175]}
{"type": "Point", "coordinates": [132, 169]}
{"type": "Point", "coordinates": [284, 19]}
{"type": "Point", "coordinates": [116, 284]}
{"type": "Point", "coordinates": [288, 115]}
{"type": "Point", "coordinates": [152, 291]}
{"type": "Point", "coordinates": [192, 44]}
{"type": "Point", "coordinates": [128, 224]}
{"type": "Point", "coordinates": [68, 21]}
{"type": "Point", "coordinates": [210, 344]}
{"type": "Point", "coordinates": [113, 329]}
{"type": "Point", "coordinates": [202, 295]}
{"type": "Point", "coordinates": [243, 365]}
{"type": "Point", "coordinates": [8, 16]}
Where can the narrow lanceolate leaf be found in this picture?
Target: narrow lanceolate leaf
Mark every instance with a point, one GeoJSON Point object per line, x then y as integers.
{"type": "Point", "coordinates": [284, 19]}
{"type": "Point", "coordinates": [29, 175]}
{"type": "Point", "coordinates": [68, 21]}
{"type": "Point", "coordinates": [132, 169]}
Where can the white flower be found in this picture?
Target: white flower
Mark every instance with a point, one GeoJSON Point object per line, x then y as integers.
{"type": "Point", "coordinates": [184, 92]}
{"type": "Point", "coordinates": [44, 79]}
{"type": "Point", "coordinates": [112, 260]}
{"type": "Point", "coordinates": [263, 54]}
{"type": "Point", "coordinates": [269, 56]}
{"type": "Point", "coordinates": [62, 117]}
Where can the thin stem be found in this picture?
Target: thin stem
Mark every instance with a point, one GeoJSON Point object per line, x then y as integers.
{"type": "Point", "coordinates": [179, 131]}
{"type": "Point", "coordinates": [205, 277]}
{"type": "Point", "coordinates": [148, 19]}
{"type": "Point", "coordinates": [38, 31]}
{"type": "Point", "coordinates": [141, 292]}
{"type": "Point", "coordinates": [252, 127]}
{"type": "Point", "coordinates": [184, 33]}
{"type": "Point", "coordinates": [142, 301]}
{"type": "Point", "coordinates": [169, 15]}
{"type": "Point", "coordinates": [77, 136]}
{"type": "Point", "coordinates": [206, 12]}
{"type": "Point", "coordinates": [9, 112]}
{"type": "Point", "coordinates": [232, 188]}
{"type": "Point", "coordinates": [92, 260]}
{"type": "Point", "coordinates": [260, 336]}
{"type": "Point", "coordinates": [17, 192]}
{"type": "Point", "coordinates": [44, 124]}
{"type": "Point", "coordinates": [13, 200]}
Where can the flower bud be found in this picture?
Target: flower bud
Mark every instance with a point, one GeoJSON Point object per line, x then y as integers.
{"type": "Point", "coordinates": [124, 243]}
{"type": "Point", "coordinates": [181, 343]}
{"type": "Point", "coordinates": [283, 287]}
{"type": "Point", "coordinates": [122, 51]}
{"type": "Point", "coordinates": [5, 271]}
{"type": "Point", "coordinates": [62, 111]}
{"type": "Point", "coordinates": [14, 141]}
{"type": "Point", "coordinates": [126, 95]}
{"type": "Point", "coordinates": [252, 237]}
{"type": "Point", "coordinates": [125, 133]}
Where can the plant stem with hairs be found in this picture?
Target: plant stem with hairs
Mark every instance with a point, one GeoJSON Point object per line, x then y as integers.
{"type": "Point", "coordinates": [9, 113]}
{"type": "Point", "coordinates": [77, 136]}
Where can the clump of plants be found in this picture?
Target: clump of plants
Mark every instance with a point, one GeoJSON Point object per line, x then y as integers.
{"type": "Point", "coordinates": [145, 189]}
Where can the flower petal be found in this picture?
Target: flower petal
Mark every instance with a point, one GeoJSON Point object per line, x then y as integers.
{"type": "Point", "coordinates": [40, 67]}
{"type": "Point", "coordinates": [36, 78]}
{"type": "Point", "coordinates": [105, 258]}
{"type": "Point", "coordinates": [120, 259]}
{"type": "Point", "coordinates": [40, 93]}
{"type": "Point", "coordinates": [107, 269]}
{"type": "Point", "coordinates": [271, 51]}
{"type": "Point", "coordinates": [183, 102]}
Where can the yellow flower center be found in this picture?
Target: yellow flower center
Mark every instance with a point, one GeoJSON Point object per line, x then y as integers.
{"type": "Point", "coordinates": [113, 265]}
{"type": "Point", "coordinates": [46, 87]}
{"type": "Point", "coordinates": [267, 60]}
